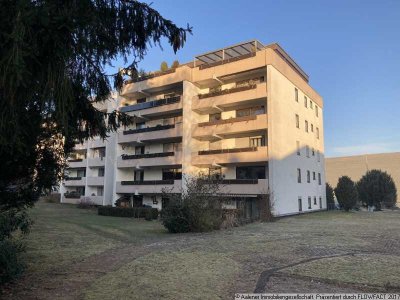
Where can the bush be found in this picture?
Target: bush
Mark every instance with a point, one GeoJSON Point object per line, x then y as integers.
{"type": "Point", "coordinates": [377, 188]}
{"type": "Point", "coordinates": [197, 209]}
{"type": "Point", "coordinates": [330, 199]}
{"type": "Point", "coordinates": [86, 203]}
{"type": "Point", "coordinates": [346, 193]}
{"type": "Point", "coordinates": [51, 198]}
{"type": "Point", "coordinates": [164, 66]}
{"type": "Point", "coordinates": [132, 212]}
{"type": "Point", "coordinates": [10, 265]}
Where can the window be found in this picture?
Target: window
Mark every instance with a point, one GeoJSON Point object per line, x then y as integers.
{"type": "Point", "coordinates": [154, 199]}
{"type": "Point", "coordinates": [308, 176]}
{"type": "Point", "coordinates": [99, 152]}
{"type": "Point", "coordinates": [172, 147]}
{"type": "Point", "coordinates": [317, 132]}
{"type": "Point", "coordinates": [215, 173]}
{"type": "Point", "coordinates": [319, 178]}
{"type": "Point", "coordinates": [257, 141]}
{"type": "Point", "coordinates": [311, 104]}
{"type": "Point", "coordinates": [305, 101]}
{"type": "Point", "coordinates": [309, 202]}
{"type": "Point", "coordinates": [140, 125]}
{"type": "Point", "coordinates": [250, 172]}
{"type": "Point", "coordinates": [139, 150]}
{"type": "Point", "coordinates": [81, 173]}
{"type": "Point", "coordinates": [313, 175]}
{"type": "Point", "coordinates": [300, 204]}
{"type": "Point", "coordinates": [297, 121]}
{"type": "Point", "coordinates": [315, 200]}
{"type": "Point", "coordinates": [316, 111]}
{"type": "Point", "coordinates": [320, 202]}
{"type": "Point", "coordinates": [312, 128]}
{"type": "Point", "coordinates": [298, 147]}
{"type": "Point", "coordinates": [171, 174]}
{"type": "Point", "coordinates": [100, 191]}
{"type": "Point", "coordinates": [313, 151]}
{"type": "Point", "coordinates": [318, 156]}
{"type": "Point", "coordinates": [141, 100]}
{"type": "Point", "coordinates": [251, 111]}
{"type": "Point", "coordinates": [138, 175]}
{"type": "Point", "coordinates": [306, 125]}
{"type": "Point", "coordinates": [296, 94]}
{"type": "Point", "coordinates": [100, 172]}
{"type": "Point", "coordinates": [298, 175]}
{"type": "Point", "coordinates": [81, 190]}
{"type": "Point", "coordinates": [307, 151]}
{"type": "Point", "coordinates": [215, 117]}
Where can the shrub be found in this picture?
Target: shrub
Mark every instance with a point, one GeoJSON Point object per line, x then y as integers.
{"type": "Point", "coordinates": [197, 209]}
{"type": "Point", "coordinates": [175, 64]}
{"type": "Point", "coordinates": [330, 199]}
{"type": "Point", "coordinates": [51, 198]}
{"type": "Point", "coordinates": [346, 193]}
{"type": "Point", "coordinates": [85, 203]}
{"type": "Point", "coordinates": [131, 212]}
{"type": "Point", "coordinates": [164, 66]}
{"type": "Point", "coordinates": [10, 264]}
{"type": "Point", "coordinates": [377, 188]}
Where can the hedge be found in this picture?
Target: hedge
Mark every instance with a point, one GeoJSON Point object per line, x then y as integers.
{"type": "Point", "coordinates": [135, 212]}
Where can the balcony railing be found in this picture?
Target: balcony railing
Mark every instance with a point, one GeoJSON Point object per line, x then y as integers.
{"type": "Point", "coordinates": [148, 182]}
{"type": "Point", "coordinates": [149, 129]}
{"type": "Point", "coordinates": [75, 160]}
{"type": "Point", "coordinates": [228, 91]}
{"type": "Point", "coordinates": [227, 121]}
{"type": "Point", "coordinates": [225, 61]}
{"type": "Point", "coordinates": [234, 150]}
{"type": "Point", "coordinates": [150, 104]}
{"type": "Point", "coordinates": [148, 76]}
{"type": "Point", "coordinates": [72, 195]}
{"type": "Point", "coordinates": [233, 181]}
{"type": "Point", "coordinates": [149, 155]}
{"type": "Point", "coordinates": [72, 178]}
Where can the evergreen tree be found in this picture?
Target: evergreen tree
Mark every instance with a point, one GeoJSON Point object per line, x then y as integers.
{"type": "Point", "coordinates": [164, 66]}
{"type": "Point", "coordinates": [52, 68]}
{"type": "Point", "coordinates": [346, 193]}
{"type": "Point", "coordinates": [377, 188]}
{"type": "Point", "coordinates": [330, 199]}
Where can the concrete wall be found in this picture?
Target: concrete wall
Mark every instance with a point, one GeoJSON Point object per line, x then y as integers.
{"type": "Point", "coordinates": [282, 138]}
{"type": "Point", "coordinates": [356, 166]}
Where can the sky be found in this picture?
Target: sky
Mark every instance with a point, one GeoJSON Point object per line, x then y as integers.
{"type": "Point", "coordinates": [350, 49]}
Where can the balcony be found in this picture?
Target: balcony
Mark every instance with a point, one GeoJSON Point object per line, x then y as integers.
{"type": "Point", "coordinates": [244, 186]}
{"type": "Point", "coordinates": [74, 181]}
{"type": "Point", "coordinates": [155, 82]}
{"type": "Point", "coordinates": [96, 162]}
{"type": "Point", "coordinates": [229, 128]}
{"type": "Point", "coordinates": [155, 107]}
{"type": "Point", "coordinates": [95, 181]}
{"type": "Point", "coordinates": [230, 98]}
{"type": "Point", "coordinates": [76, 163]}
{"type": "Point", "coordinates": [230, 156]}
{"type": "Point", "coordinates": [164, 159]}
{"type": "Point", "coordinates": [79, 146]}
{"type": "Point", "coordinates": [148, 187]}
{"type": "Point", "coordinates": [97, 143]}
{"type": "Point", "coordinates": [157, 133]}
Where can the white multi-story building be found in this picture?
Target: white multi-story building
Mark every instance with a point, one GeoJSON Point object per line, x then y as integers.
{"type": "Point", "coordinates": [245, 113]}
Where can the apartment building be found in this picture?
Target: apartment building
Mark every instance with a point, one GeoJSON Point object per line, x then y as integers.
{"type": "Point", "coordinates": [245, 114]}
{"type": "Point", "coordinates": [90, 170]}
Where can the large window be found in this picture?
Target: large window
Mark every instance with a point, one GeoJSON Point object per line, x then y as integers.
{"type": "Point", "coordinates": [81, 173]}
{"type": "Point", "coordinates": [140, 125]}
{"type": "Point", "coordinates": [250, 172]}
{"type": "Point", "coordinates": [172, 174]}
{"type": "Point", "coordinates": [172, 147]}
{"type": "Point", "coordinates": [100, 191]}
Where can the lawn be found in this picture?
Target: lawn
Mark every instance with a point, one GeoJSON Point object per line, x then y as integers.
{"type": "Point", "coordinates": [76, 254]}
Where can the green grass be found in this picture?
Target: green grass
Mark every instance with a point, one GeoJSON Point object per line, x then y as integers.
{"type": "Point", "coordinates": [211, 265]}
{"type": "Point", "coordinates": [63, 234]}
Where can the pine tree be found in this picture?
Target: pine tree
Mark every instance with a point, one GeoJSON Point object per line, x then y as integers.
{"type": "Point", "coordinates": [346, 193]}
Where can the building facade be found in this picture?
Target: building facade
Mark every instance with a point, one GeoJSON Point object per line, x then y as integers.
{"type": "Point", "coordinates": [245, 114]}
{"type": "Point", "coordinates": [356, 166]}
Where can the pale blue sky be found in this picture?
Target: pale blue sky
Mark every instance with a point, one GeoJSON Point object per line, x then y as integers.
{"type": "Point", "coordinates": [350, 49]}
